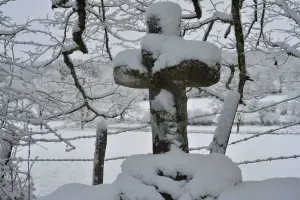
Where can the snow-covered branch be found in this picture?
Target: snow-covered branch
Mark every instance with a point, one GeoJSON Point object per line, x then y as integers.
{"type": "Point", "coordinates": [224, 126]}
{"type": "Point", "coordinates": [288, 11]}
{"type": "Point", "coordinates": [290, 50]}
{"type": "Point", "coordinates": [217, 16]}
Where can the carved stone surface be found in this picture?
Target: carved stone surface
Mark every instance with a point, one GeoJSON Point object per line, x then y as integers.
{"type": "Point", "coordinates": [191, 73]}
{"type": "Point", "coordinates": [130, 78]}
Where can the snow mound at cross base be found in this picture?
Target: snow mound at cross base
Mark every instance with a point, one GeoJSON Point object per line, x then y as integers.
{"type": "Point", "coordinates": [181, 176]}
{"type": "Point", "coordinates": [76, 191]}
{"type": "Point", "coordinates": [271, 189]}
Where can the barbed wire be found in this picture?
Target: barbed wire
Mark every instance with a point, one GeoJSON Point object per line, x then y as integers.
{"type": "Point", "coordinates": [87, 136]}
{"type": "Point", "coordinates": [255, 134]}
{"type": "Point", "coordinates": [269, 159]}
{"type": "Point", "coordinates": [66, 159]}
{"type": "Point", "coordinates": [263, 133]}
{"type": "Point", "coordinates": [250, 137]}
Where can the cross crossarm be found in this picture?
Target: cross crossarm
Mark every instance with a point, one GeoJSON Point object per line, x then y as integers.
{"type": "Point", "coordinates": [191, 73]}
{"type": "Point", "coordinates": [127, 77]}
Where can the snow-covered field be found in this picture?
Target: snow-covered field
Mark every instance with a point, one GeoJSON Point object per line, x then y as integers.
{"type": "Point", "coordinates": [286, 113]}
{"type": "Point", "coordinates": [48, 176]}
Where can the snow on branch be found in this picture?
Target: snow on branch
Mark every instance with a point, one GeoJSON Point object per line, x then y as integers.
{"type": "Point", "coordinates": [217, 16]}
{"type": "Point", "coordinates": [71, 147]}
{"type": "Point", "coordinates": [61, 3]}
{"type": "Point", "coordinates": [288, 11]}
{"type": "Point", "coordinates": [12, 31]}
{"type": "Point", "coordinates": [3, 2]}
{"type": "Point", "coordinates": [78, 44]}
{"type": "Point", "coordinates": [225, 122]}
{"type": "Point", "coordinates": [20, 134]}
{"type": "Point", "coordinates": [283, 45]}
{"type": "Point", "coordinates": [214, 93]}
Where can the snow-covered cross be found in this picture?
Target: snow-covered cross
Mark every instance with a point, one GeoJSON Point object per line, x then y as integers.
{"type": "Point", "coordinates": [166, 64]}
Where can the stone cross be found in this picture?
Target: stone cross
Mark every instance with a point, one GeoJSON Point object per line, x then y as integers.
{"type": "Point", "coordinates": [166, 65]}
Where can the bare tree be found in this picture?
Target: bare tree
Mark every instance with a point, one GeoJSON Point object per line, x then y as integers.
{"type": "Point", "coordinates": [30, 82]}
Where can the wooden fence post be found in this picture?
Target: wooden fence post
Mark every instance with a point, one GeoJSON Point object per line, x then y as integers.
{"type": "Point", "coordinates": [99, 156]}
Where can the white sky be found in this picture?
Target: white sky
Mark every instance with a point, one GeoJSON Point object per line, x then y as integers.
{"type": "Point", "coordinates": [22, 10]}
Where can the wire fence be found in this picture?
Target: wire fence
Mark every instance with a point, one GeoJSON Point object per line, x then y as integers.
{"type": "Point", "coordinates": [147, 127]}
{"type": "Point", "coordinates": [253, 135]}
{"type": "Point", "coordinates": [124, 157]}
{"type": "Point", "coordinates": [35, 139]}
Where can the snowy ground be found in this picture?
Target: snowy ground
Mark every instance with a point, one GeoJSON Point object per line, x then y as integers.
{"type": "Point", "coordinates": [50, 175]}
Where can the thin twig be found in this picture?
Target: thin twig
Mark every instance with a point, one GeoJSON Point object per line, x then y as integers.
{"type": "Point", "coordinates": [28, 167]}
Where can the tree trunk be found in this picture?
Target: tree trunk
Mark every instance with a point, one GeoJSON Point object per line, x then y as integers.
{"type": "Point", "coordinates": [239, 37]}
{"type": "Point", "coordinates": [5, 155]}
